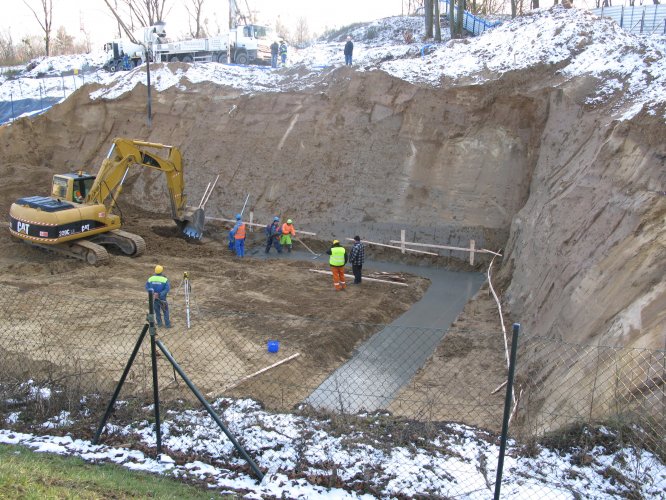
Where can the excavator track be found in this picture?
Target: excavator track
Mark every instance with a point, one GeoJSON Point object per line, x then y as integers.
{"type": "Point", "coordinates": [138, 241]}
{"type": "Point", "coordinates": [84, 250]}
{"type": "Point", "coordinates": [128, 243]}
{"type": "Point", "coordinates": [92, 253]}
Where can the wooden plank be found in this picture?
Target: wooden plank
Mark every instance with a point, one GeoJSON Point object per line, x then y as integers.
{"type": "Point", "coordinates": [364, 278]}
{"type": "Point", "coordinates": [259, 372]}
{"type": "Point", "coordinates": [298, 231]}
{"type": "Point", "coordinates": [397, 248]}
{"type": "Point", "coordinates": [446, 247]}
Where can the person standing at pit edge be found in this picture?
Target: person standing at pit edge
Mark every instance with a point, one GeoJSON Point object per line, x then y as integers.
{"type": "Point", "coordinates": [337, 261]}
{"type": "Point", "coordinates": [238, 232]}
{"type": "Point", "coordinates": [159, 285]}
{"type": "Point", "coordinates": [288, 232]}
{"type": "Point", "coordinates": [349, 49]}
{"type": "Point", "coordinates": [283, 52]}
{"type": "Point", "coordinates": [357, 258]}
{"type": "Point", "coordinates": [275, 47]}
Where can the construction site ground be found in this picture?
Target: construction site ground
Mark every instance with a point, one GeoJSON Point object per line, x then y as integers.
{"type": "Point", "coordinates": [270, 286]}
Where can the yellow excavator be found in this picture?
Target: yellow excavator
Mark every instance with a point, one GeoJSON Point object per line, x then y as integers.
{"type": "Point", "coordinates": [77, 220]}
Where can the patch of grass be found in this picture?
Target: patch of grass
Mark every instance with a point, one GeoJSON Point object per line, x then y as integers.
{"type": "Point", "coordinates": [26, 474]}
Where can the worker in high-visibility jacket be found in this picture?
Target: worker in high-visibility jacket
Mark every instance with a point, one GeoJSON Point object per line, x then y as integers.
{"type": "Point", "coordinates": [287, 232]}
{"type": "Point", "coordinates": [337, 261]}
{"type": "Point", "coordinates": [238, 232]}
{"type": "Point", "coordinates": [159, 286]}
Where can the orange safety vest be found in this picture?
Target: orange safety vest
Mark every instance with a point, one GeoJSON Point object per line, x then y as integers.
{"type": "Point", "coordinates": [240, 232]}
{"type": "Point", "coordinates": [288, 229]}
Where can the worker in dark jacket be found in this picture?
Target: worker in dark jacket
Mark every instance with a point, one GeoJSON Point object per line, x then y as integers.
{"type": "Point", "coordinates": [274, 53]}
{"type": "Point", "coordinates": [357, 258]}
{"type": "Point", "coordinates": [273, 232]}
{"type": "Point", "coordinates": [337, 261]}
{"type": "Point", "coordinates": [349, 49]}
{"type": "Point", "coordinates": [159, 285]}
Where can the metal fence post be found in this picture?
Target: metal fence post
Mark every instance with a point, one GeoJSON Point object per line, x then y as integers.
{"type": "Point", "coordinates": [153, 358]}
{"type": "Point", "coordinates": [507, 409]}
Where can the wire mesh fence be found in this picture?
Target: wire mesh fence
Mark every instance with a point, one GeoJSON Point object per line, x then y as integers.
{"type": "Point", "coordinates": [569, 398]}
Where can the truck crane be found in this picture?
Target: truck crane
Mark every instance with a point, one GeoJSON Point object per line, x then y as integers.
{"type": "Point", "coordinates": [77, 220]}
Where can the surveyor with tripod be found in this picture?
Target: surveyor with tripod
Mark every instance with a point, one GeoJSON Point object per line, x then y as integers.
{"type": "Point", "coordinates": [159, 285]}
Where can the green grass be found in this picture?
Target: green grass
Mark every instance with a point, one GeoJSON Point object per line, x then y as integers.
{"type": "Point", "coordinates": [25, 474]}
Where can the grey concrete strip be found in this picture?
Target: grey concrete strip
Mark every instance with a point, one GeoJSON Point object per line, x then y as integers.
{"type": "Point", "coordinates": [390, 358]}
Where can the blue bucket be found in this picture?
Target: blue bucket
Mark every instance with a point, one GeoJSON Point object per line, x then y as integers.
{"type": "Point", "coordinates": [273, 345]}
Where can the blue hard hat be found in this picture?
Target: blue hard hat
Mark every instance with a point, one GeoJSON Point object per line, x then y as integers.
{"type": "Point", "coordinates": [239, 216]}
{"type": "Point", "coordinates": [275, 219]}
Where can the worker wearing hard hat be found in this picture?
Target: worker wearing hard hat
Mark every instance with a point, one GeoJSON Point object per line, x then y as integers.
{"type": "Point", "coordinates": [273, 232]}
{"type": "Point", "coordinates": [238, 232]}
{"type": "Point", "coordinates": [288, 232]}
{"type": "Point", "coordinates": [337, 261]}
{"type": "Point", "coordinates": [159, 285]}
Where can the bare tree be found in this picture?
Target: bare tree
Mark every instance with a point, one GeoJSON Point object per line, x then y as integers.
{"type": "Point", "coordinates": [438, 26]}
{"type": "Point", "coordinates": [194, 8]}
{"type": "Point", "coordinates": [7, 49]}
{"type": "Point", "coordinates": [302, 31]}
{"type": "Point", "coordinates": [63, 42]}
{"type": "Point", "coordinates": [281, 29]}
{"type": "Point", "coordinates": [139, 13]}
{"type": "Point", "coordinates": [45, 20]}
{"type": "Point", "coordinates": [428, 4]}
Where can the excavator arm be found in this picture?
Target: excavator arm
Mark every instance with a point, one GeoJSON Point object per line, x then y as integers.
{"type": "Point", "coordinates": [126, 153]}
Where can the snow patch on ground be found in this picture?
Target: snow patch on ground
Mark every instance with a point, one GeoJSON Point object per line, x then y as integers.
{"type": "Point", "coordinates": [457, 460]}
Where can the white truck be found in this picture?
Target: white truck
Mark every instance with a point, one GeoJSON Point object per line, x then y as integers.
{"type": "Point", "coordinates": [125, 54]}
{"type": "Point", "coordinates": [241, 45]}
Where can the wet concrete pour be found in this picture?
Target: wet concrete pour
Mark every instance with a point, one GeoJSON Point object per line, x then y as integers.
{"type": "Point", "coordinates": [365, 382]}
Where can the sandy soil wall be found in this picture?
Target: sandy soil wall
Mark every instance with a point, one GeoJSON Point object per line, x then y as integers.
{"type": "Point", "coordinates": [365, 154]}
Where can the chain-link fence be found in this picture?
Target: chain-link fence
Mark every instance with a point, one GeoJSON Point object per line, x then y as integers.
{"type": "Point", "coordinates": [565, 395]}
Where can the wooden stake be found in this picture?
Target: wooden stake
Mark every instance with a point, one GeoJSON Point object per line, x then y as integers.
{"type": "Point", "coordinates": [472, 245]}
{"type": "Point", "coordinates": [402, 240]}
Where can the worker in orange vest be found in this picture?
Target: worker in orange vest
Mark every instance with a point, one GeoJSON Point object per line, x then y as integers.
{"type": "Point", "coordinates": [238, 232]}
{"type": "Point", "coordinates": [287, 232]}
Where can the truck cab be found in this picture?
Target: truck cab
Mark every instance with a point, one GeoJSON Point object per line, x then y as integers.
{"type": "Point", "coordinates": [72, 187]}
{"type": "Point", "coordinates": [250, 43]}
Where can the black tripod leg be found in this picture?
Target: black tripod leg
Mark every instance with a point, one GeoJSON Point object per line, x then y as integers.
{"type": "Point", "coordinates": [210, 411]}
{"type": "Point", "coordinates": [130, 361]}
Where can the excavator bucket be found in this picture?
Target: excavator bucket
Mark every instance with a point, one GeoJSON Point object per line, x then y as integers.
{"type": "Point", "coordinates": [193, 223]}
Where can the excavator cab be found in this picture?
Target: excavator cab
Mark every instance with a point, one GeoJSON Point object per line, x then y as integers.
{"type": "Point", "coordinates": [74, 186]}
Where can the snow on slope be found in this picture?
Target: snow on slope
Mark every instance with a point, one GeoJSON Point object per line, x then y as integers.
{"type": "Point", "coordinates": [582, 43]}
{"type": "Point", "coordinates": [578, 42]}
